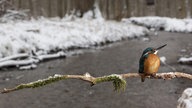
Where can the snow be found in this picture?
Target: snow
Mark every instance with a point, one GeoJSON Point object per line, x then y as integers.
{"type": "Point", "coordinates": [31, 66]}
{"type": "Point", "coordinates": [183, 50]}
{"type": "Point", "coordinates": [51, 56]}
{"type": "Point", "coordinates": [24, 55]}
{"type": "Point", "coordinates": [87, 74]}
{"type": "Point", "coordinates": [185, 60]}
{"type": "Point", "coordinates": [18, 62]}
{"type": "Point", "coordinates": [145, 39]}
{"type": "Point", "coordinates": [12, 15]}
{"type": "Point", "coordinates": [57, 75]}
{"type": "Point", "coordinates": [166, 23]}
{"type": "Point", "coordinates": [163, 59]}
{"type": "Point", "coordinates": [185, 101]}
{"type": "Point", "coordinates": [27, 42]}
{"type": "Point", "coordinates": [24, 43]}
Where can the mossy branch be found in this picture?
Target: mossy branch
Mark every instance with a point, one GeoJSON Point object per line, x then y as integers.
{"type": "Point", "coordinates": [118, 80]}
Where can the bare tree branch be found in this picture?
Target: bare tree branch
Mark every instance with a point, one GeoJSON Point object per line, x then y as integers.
{"type": "Point", "coordinates": [118, 80]}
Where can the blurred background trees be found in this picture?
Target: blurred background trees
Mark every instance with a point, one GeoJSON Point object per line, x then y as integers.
{"type": "Point", "coordinates": [110, 9]}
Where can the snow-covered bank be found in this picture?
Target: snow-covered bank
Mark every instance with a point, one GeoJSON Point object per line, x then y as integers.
{"type": "Point", "coordinates": [185, 101]}
{"type": "Point", "coordinates": [165, 23]}
{"type": "Point", "coordinates": [53, 38]}
{"type": "Point", "coordinates": [185, 60]}
{"type": "Point", "coordinates": [46, 36]}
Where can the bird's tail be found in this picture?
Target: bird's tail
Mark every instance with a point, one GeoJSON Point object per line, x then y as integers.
{"type": "Point", "coordinates": [142, 78]}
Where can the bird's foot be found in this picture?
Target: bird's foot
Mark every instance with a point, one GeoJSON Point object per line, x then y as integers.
{"type": "Point", "coordinates": [153, 75]}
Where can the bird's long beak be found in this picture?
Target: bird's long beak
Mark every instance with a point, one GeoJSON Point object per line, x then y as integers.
{"type": "Point", "coordinates": [161, 47]}
{"type": "Point", "coordinates": [157, 49]}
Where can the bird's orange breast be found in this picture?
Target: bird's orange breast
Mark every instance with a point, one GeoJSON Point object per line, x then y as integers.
{"type": "Point", "coordinates": [151, 64]}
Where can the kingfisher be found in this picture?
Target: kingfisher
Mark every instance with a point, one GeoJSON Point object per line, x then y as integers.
{"type": "Point", "coordinates": [149, 62]}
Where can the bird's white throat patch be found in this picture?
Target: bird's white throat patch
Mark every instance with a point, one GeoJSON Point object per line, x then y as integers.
{"type": "Point", "coordinates": [156, 52]}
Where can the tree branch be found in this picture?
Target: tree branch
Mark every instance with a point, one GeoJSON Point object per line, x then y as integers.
{"type": "Point", "coordinates": [118, 80]}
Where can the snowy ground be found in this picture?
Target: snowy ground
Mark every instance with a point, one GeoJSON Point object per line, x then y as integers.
{"type": "Point", "coordinates": [27, 42]}
{"type": "Point", "coordinates": [165, 23]}
{"type": "Point", "coordinates": [50, 38]}
{"type": "Point", "coordinates": [185, 101]}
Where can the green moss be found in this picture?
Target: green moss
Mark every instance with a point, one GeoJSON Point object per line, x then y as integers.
{"type": "Point", "coordinates": [118, 82]}
{"type": "Point", "coordinates": [40, 83]}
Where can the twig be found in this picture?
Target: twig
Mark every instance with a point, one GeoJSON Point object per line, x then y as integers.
{"type": "Point", "coordinates": [117, 79]}
{"type": "Point", "coordinates": [18, 62]}
{"type": "Point", "coordinates": [13, 57]}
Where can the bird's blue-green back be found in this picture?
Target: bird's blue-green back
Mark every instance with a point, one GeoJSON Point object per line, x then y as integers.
{"type": "Point", "coordinates": [142, 59]}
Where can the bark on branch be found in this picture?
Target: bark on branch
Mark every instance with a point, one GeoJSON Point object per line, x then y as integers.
{"type": "Point", "coordinates": [118, 80]}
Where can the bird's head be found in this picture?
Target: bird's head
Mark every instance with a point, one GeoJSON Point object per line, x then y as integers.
{"type": "Point", "coordinates": [151, 50]}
